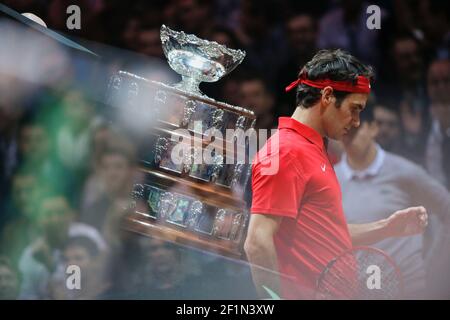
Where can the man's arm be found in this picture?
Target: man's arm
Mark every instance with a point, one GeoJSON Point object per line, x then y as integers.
{"type": "Point", "coordinates": [402, 223]}
{"type": "Point", "coordinates": [260, 249]}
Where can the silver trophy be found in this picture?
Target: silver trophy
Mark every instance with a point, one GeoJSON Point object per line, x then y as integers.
{"type": "Point", "coordinates": [188, 200]}
{"type": "Point", "coordinates": [197, 60]}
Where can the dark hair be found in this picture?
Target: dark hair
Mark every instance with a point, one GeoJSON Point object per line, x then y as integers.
{"type": "Point", "coordinates": [31, 119]}
{"type": "Point", "coordinates": [388, 104]}
{"type": "Point", "coordinates": [84, 242]}
{"type": "Point", "coordinates": [403, 36]}
{"type": "Point", "coordinates": [336, 65]}
{"type": "Point", "coordinates": [235, 42]}
{"type": "Point", "coordinates": [311, 16]}
{"type": "Point", "coordinates": [367, 115]}
{"type": "Point", "coordinates": [250, 75]}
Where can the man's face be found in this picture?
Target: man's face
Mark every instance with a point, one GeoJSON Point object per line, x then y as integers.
{"type": "Point", "coordinates": [302, 33]}
{"type": "Point", "coordinates": [9, 284]}
{"type": "Point", "coordinates": [77, 110]}
{"type": "Point", "coordinates": [79, 256]}
{"type": "Point", "coordinates": [255, 96]}
{"type": "Point", "coordinates": [253, 22]}
{"type": "Point", "coordinates": [55, 217]}
{"type": "Point", "coordinates": [130, 34]}
{"type": "Point", "coordinates": [359, 140]}
{"type": "Point", "coordinates": [150, 43]}
{"type": "Point", "coordinates": [338, 121]}
{"type": "Point", "coordinates": [388, 126]}
{"type": "Point", "coordinates": [441, 112]}
{"type": "Point", "coordinates": [33, 142]}
{"type": "Point", "coordinates": [407, 59]}
{"type": "Point", "coordinates": [23, 189]}
{"type": "Point", "coordinates": [192, 15]}
{"type": "Point", "coordinates": [222, 38]}
{"type": "Point", "coordinates": [116, 172]}
{"type": "Point", "coordinates": [438, 82]}
{"type": "Point", "coordinates": [162, 260]}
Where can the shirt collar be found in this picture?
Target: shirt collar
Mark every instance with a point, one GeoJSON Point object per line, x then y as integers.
{"type": "Point", "coordinates": [436, 130]}
{"type": "Point", "coordinates": [372, 170]}
{"type": "Point", "coordinates": [309, 133]}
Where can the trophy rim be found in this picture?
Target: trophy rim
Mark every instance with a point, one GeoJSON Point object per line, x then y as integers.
{"type": "Point", "coordinates": [237, 55]}
{"type": "Point", "coordinates": [233, 108]}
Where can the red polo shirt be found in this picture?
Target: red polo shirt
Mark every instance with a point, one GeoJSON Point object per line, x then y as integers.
{"type": "Point", "coordinates": [305, 191]}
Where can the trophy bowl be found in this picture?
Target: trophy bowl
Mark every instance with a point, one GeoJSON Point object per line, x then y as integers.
{"type": "Point", "coordinates": [197, 60]}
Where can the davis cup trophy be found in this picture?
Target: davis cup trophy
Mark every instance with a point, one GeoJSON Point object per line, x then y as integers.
{"type": "Point", "coordinates": [191, 190]}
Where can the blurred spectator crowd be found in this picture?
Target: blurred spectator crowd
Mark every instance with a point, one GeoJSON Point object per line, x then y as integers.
{"type": "Point", "coordinates": [66, 172]}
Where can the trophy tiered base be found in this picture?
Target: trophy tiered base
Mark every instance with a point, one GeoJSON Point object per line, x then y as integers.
{"type": "Point", "coordinates": [193, 203]}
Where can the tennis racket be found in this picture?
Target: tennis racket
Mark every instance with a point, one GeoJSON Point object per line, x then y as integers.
{"type": "Point", "coordinates": [364, 273]}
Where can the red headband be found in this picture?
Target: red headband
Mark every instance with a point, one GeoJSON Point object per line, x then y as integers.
{"type": "Point", "coordinates": [362, 84]}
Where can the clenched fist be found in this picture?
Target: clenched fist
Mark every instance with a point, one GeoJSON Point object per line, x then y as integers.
{"type": "Point", "coordinates": [407, 222]}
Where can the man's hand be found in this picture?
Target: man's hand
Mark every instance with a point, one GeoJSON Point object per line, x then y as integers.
{"type": "Point", "coordinates": [407, 222]}
{"type": "Point", "coordinates": [43, 253]}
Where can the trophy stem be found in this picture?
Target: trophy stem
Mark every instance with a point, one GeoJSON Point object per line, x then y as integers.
{"type": "Point", "coordinates": [189, 84]}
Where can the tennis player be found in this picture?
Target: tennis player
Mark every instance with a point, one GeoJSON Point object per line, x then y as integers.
{"type": "Point", "coordinates": [297, 224]}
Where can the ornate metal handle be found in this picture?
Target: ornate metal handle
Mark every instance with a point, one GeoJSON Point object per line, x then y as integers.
{"type": "Point", "coordinates": [132, 94]}
{"type": "Point", "coordinates": [115, 82]}
{"type": "Point", "coordinates": [240, 123]}
{"type": "Point", "coordinates": [237, 174]}
{"type": "Point", "coordinates": [189, 109]}
{"type": "Point", "coordinates": [161, 146]}
{"type": "Point", "coordinates": [114, 85]}
{"type": "Point", "coordinates": [168, 204]}
{"type": "Point", "coordinates": [236, 226]}
{"type": "Point", "coordinates": [137, 193]}
{"type": "Point", "coordinates": [160, 99]}
{"type": "Point", "coordinates": [217, 167]}
{"type": "Point", "coordinates": [219, 221]}
{"type": "Point", "coordinates": [194, 213]}
{"type": "Point", "coordinates": [189, 157]}
{"type": "Point", "coordinates": [217, 118]}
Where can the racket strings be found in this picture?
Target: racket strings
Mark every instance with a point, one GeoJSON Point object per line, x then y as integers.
{"type": "Point", "coordinates": [347, 278]}
{"type": "Point", "coordinates": [339, 280]}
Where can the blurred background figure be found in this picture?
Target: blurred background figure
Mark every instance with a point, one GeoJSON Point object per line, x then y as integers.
{"type": "Point", "coordinates": [301, 31]}
{"type": "Point", "coordinates": [376, 183]}
{"type": "Point", "coordinates": [11, 112]}
{"type": "Point", "coordinates": [345, 27]}
{"type": "Point", "coordinates": [114, 171]}
{"type": "Point", "coordinates": [20, 227]}
{"type": "Point", "coordinates": [255, 95]}
{"type": "Point", "coordinates": [150, 268]}
{"type": "Point", "coordinates": [193, 16]}
{"type": "Point", "coordinates": [84, 253]}
{"type": "Point", "coordinates": [42, 257]}
{"type": "Point", "coordinates": [9, 280]}
{"type": "Point", "coordinates": [404, 84]}
{"type": "Point", "coordinates": [94, 187]}
{"type": "Point", "coordinates": [389, 129]}
{"type": "Point", "coordinates": [74, 135]}
{"type": "Point", "coordinates": [438, 144]}
{"type": "Point", "coordinates": [260, 33]}
{"type": "Point", "coordinates": [72, 140]}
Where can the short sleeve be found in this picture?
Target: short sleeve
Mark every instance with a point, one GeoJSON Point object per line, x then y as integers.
{"type": "Point", "coordinates": [278, 186]}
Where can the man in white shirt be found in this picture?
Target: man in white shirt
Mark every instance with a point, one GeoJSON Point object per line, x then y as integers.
{"type": "Point", "coordinates": [42, 258]}
{"type": "Point", "coordinates": [375, 183]}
